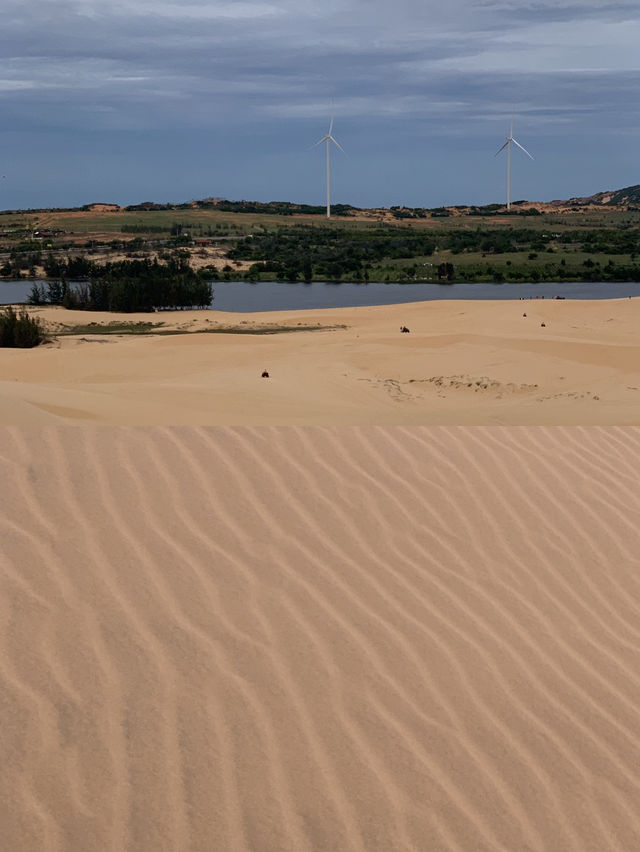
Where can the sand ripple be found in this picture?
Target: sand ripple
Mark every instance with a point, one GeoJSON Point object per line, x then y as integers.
{"type": "Point", "coordinates": [320, 639]}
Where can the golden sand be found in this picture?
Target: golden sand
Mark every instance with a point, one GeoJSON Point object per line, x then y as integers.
{"type": "Point", "coordinates": [289, 638]}
{"type": "Point", "coordinates": [292, 639]}
{"type": "Point", "coordinates": [462, 363]}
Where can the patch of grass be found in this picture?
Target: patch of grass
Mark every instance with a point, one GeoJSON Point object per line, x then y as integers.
{"type": "Point", "coordinates": [154, 328]}
{"type": "Point", "coordinates": [113, 328]}
{"type": "Point", "coordinates": [259, 329]}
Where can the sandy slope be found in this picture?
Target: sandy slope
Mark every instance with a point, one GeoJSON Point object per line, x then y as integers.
{"type": "Point", "coordinates": [464, 362]}
{"type": "Point", "coordinates": [320, 639]}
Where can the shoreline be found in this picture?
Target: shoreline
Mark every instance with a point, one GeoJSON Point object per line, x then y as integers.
{"type": "Point", "coordinates": [244, 296]}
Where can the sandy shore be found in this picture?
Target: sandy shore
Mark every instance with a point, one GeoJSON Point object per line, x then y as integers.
{"type": "Point", "coordinates": [462, 363]}
{"type": "Point", "coordinates": [287, 640]}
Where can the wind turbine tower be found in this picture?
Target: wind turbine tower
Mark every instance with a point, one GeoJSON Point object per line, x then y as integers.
{"type": "Point", "coordinates": [511, 141]}
{"type": "Point", "coordinates": [328, 139]}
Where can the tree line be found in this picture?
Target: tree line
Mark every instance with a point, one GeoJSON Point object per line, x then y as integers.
{"type": "Point", "coordinates": [308, 252]}
{"type": "Point", "coordinates": [124, 286]}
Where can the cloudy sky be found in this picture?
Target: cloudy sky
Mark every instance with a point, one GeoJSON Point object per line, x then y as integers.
{"type": "Point", "coordinates": [167, 101]}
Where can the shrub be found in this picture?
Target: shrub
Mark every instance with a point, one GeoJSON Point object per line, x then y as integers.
{"type": "Point", "coordinates": [37, 296]}
{"type": "Point", "coordinates": [19, 330]}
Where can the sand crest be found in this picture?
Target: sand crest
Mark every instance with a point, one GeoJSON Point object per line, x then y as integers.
{"type": "Point", "coordinates": [319, 639]}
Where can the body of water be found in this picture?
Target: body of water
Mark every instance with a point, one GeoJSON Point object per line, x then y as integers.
{"type": "Point", "coordinates": [243, 296]}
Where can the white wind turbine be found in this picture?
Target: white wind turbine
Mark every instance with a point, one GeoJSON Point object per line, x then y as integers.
{"type": "Point", "coordinates": [328, 139]}
{"type": "Point", "coordinates": [507, 145]}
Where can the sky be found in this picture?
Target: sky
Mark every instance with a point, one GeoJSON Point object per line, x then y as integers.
{"type": "Point", "coordinates": [154, 100]}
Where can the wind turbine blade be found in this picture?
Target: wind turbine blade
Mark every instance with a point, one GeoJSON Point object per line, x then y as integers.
{"type": "Point", "coordinates": [320, 141]}
{"type": "Point", "coordinates": [337, 144]}
{"type": "Point", "coordinates": [503, 147]}
{"type": "Point", "coordinates": [330, 127]}
{"type": "Point", "coordinates": [522, 148]}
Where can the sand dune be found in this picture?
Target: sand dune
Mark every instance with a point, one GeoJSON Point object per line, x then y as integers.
{"type": "Point", "coordinates": [320, 639]}
{"type": "Point", "coordinates": [463, 363]}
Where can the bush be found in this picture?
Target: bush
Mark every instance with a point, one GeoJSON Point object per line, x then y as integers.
{"type": "Point", "coordinates": [37, 296]}
{"type": "Point", "coordinates": [19, 330]}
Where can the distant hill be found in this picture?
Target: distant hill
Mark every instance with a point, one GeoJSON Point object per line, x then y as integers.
{"type": "Point", "coordinates": [280, 208]}
{"type": "Point", "coordinates": [621, 199]}
{"type": "Point", "coordinates": [625, 198]}
{"type": "Point", "coordinates": [102, 207]}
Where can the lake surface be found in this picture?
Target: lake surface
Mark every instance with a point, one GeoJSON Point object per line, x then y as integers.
{"type": "Point", "coordinates": [243, 296]}
{"type": "Point", "coordinates": [281, 296]}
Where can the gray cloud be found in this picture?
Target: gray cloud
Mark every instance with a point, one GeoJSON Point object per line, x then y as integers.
{"type": "Point", "coordinates": [433, 70]}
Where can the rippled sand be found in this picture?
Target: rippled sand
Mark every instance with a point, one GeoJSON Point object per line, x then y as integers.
{"type": "Point", "coordinates": [320, 639]}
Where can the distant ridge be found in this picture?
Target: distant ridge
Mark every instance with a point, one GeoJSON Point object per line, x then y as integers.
{"type": "Point", "coordinates": [620, 199]}
{"type": "Point", "coordinates": [627, 198]}
{"type": "Point", "coordinates": [281, 208]}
